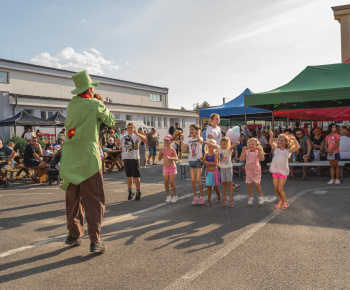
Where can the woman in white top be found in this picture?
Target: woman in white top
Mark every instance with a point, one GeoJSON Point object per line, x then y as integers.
{"type": "Point", "coordinates": [213, 130]}
{"type": "Point", "coordinates": [279, 168]}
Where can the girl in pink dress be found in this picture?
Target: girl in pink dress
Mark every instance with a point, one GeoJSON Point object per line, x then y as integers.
{"type": "Point", "coordinates": [252, 155]}
{"type": "Point", "coordinates": [333, 156]}
{"type": "Point", "coordinates": [279, 168]}
{"type": "Point", "coordinates": [169, 168]}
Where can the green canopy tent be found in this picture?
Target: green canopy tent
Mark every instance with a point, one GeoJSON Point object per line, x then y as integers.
{"type": "Point", "coordinates": [324, 86]}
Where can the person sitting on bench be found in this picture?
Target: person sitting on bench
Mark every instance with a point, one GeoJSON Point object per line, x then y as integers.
{"type": "Point", "coordinates": [31, 156]}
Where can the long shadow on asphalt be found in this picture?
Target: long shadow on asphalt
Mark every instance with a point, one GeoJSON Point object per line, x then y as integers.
{"type": "Point", "coordinates": [29, 206]}
{"type": "Point", "coordinates": [44, 268]}
{"type": "Point", "coordinates": [14, 222]}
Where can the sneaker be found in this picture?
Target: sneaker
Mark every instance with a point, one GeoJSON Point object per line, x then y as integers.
{"type": "Point", "coordinates": [138, 195]}
{"type": "Point", "coordinates": [145, 166]}
{"type": "Point", "coordinates": [130, 195]}
{"type": "Point", "coordinates": [261, 200]}
{"type": "Point", "coordinates": [168, 199]}
{"type": "Point", "coordinates": [97, 247]}
{"type": "Point", "coordinates": [235, 185]}
{"type": "Point", "coordinates": [73, 241]}
{"type": "Point", "coordinates": [250, 201]}
{"type": "Point", "coordinates": [331, 181]}
{"type": "Point", "coordinates": [180, 161]}
{"type": "Point", "coordinates": [195, 200]}
{"type": "Point", "coordinates": [201, 200]}
{"type": "Point", "coordinates": [337, 181]}
{"type": "Point", "coordinates": [174, 199]}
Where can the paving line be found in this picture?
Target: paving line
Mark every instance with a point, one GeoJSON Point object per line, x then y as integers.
{"type": "Point", "coordinates": [184, 281]}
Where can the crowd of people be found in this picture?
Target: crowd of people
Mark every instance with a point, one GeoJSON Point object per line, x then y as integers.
{"type": "Point", "coordinates": [209, 147]}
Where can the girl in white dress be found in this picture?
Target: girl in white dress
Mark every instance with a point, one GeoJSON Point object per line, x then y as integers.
{"type": "Point", "coordinates": [279, 168]}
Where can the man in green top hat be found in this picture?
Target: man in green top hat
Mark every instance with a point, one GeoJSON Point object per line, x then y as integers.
{"type": "Point", "coordinates": [80, 164]}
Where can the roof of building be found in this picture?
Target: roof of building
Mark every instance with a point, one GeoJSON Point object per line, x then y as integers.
{"type": "Point", "coordinates": [10, 64]}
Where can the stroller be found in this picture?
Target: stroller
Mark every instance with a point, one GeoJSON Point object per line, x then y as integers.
{"type": "Point", "coordinates": [53, 172]}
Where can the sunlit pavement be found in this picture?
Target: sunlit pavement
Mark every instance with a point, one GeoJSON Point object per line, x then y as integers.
{"type": "Point", "coordinates": [153, 245]}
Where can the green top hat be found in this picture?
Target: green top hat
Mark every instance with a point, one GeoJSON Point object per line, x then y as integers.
{"type": "Point", "coordinates": [82, 82]}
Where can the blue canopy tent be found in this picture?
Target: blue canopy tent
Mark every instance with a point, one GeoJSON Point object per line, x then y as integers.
{"type": "Point", "coordinates": [235, 110]}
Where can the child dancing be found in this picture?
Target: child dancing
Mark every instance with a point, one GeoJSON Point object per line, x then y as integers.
{"type": "Point", "coordinates": [195, 154]}
{"type": "Point", "coordinates": [169, 168]}
{"type": "Point", "coordinates": [279, 168]}
{"type": "Point", "coordinates": [212, 178]}
{"type": "Point", "coordinates": [252, 155]}
{"type": "Point", "coordinates": [225, 163]}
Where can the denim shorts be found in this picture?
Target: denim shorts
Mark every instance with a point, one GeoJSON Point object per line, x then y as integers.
{"type": "Point", "coordinates": [196, 164]}
{"type": "Point", "coordinates": [152, 151]}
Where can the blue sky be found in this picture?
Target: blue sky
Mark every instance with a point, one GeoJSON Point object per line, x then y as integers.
{"type": "Point", "coordinates": [202, 50]}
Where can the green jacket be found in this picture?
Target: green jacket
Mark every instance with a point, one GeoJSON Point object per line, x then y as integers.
{"type": "Point", "coordinates": [80, 153]}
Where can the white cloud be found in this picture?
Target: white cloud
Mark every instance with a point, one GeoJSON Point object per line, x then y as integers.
{"type": "Point", "coordinates": [83, 21]}
{"type": "Point", "coordinates": [68, 59]}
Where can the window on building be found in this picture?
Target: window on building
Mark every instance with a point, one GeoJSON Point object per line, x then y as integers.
{"type": "Point", "coordinates": [165, 122]}
{"type": "Point", "coordinates": [155, 98]}
{"type": "Point", "coordinates": [117, 116]}
{"type": "Point", "coordinates": [45, 114]}
{"type": "Point", "coordinates": [340, 123]}
{"type": "Point", "coordinates": [183, 123]}
{"type": "Point", "coordinates": [159, 122]}
{"type": "Point", "coordinates": [149, 121]}
{"type": "Point", "coordinates": [128, 117]}
{"type": "Point", "coordinates": [29, 111]}
{"type": "Point", "coordinates": [4, 77]}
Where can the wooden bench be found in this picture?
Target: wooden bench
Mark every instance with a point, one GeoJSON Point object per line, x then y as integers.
{"type": "Point", "coordinates": [114, 158]}
{"type": "Point", "coordinates": [42, 171]}
{"type": "Point", "coordinates": [341, 164]}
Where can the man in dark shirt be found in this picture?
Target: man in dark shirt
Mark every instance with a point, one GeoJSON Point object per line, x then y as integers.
{"type": "Point", "coordinates": [31, 156]}
{"type": "Point", "coordinates": [103, 137]}
{"type": "Point", "coordinates": [6, 159]}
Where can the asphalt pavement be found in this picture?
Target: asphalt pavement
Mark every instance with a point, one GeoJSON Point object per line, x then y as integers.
{"type": "Point", "coordinates": [154, 245]}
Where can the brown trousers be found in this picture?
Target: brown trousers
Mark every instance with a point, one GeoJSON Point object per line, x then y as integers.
{"type": "Point", "coordinates": [88, 196]}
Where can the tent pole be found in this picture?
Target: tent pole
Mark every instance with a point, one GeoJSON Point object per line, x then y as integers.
{"type": "Point", "coordinates": [245, 116]}
{"type": "Point", "coordinates": [273, 122]}
{"type": "Point", "coordinates": [55, 135]}
{"type": "Point", "coordinates": [288, 122]}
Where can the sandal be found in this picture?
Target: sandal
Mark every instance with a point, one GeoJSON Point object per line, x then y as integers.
{"type": "Point", "coordinates": [279, 204]}
{"type": "Point", "coordinates": [208, 203]}
{"type": "Point", "coordinates": [225, 202]}
{"type": "Point", "coordinates": [285, 205]}
{"type": "Point", "coordinates": [230, 204]}
{"type": "Point", "coordinates": [219, 201]}
{"type": "Point", "coordinates": [34, 179]}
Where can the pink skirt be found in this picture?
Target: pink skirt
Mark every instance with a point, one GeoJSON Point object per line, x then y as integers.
{"type": "Point", "coordinates": [212, 178]}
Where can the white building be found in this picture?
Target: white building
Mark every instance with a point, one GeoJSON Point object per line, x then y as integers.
{"type": "Point", "coordinates": [42, 91]}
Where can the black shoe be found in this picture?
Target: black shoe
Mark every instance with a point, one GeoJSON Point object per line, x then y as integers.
{"type": "Point", "coordinates": [138, 195]}
{"type": "Point", "coordinates": [73, 241]}
{"type": "Point", "coordinates": [131, 195]}
{"type": "Point", "coordinates": [97, 247]}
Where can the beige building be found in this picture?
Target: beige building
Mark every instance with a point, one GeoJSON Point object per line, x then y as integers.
{"type": "Point", "coordinates": [42, 91]}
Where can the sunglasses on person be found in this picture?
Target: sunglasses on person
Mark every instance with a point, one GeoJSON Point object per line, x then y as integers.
{"type": "Point", "coordinates": [299, 134]}
{"type": "Point", "coordinates": [34, 140]}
